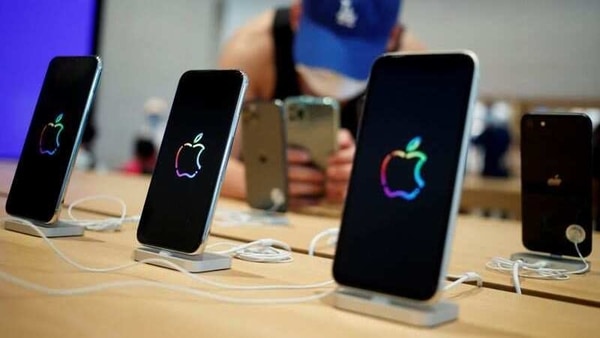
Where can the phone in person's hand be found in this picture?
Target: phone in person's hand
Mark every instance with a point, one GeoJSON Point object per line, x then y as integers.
{"type": "Point", "coordinates": [264, 154]}
{"type": "Point", "coordinates": [313, 124]}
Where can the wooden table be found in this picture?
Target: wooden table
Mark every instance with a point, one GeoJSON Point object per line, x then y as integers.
{"type": "Point", "coordinates": [476, 241]}
{"type": "Point", "coordinates": [477, 193]}
{"type": "Point", "coordinates": [492, 194]}
{"type": "Point", "coordinates": [149, 312]}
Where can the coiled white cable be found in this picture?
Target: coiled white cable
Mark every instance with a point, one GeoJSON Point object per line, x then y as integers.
{"type": "Point", "coordinates": [332, 233]}
{"type": "Point", "coordinates": [107, 224]}
{"type": "Point", "coordinates": [262, 250]}
{"type": "Point", "coordinates": [169, 264]}
{"type": "Point", "coordinates": [538, 270]}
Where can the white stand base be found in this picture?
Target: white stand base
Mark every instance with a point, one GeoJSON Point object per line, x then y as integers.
{"type": "Point", "coordinates": [391, 308]}
{"type": "Point", "coordinates": [203, 262]}
{"type": "Point", "coordinates": [552, 261]}
{"type": "Point", "coordinates": [57, 229]}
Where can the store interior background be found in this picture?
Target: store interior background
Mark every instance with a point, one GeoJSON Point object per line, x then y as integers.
{"type": "Point", "coordinates": [529, 50]}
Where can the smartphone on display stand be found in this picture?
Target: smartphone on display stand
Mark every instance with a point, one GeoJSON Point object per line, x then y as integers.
{"type": "Point", "coordinates": [53, 138]}
{"type": "Point", "coordinates": [556, 181]}
{"type": "Point", "coordinates": [313, 124]}
{"type": "Point", "coordinates": [191, 163]}
{"type": "Point", "coordinates": [404, 191]}
{"type": "Point", "coordinates": [264, 154]}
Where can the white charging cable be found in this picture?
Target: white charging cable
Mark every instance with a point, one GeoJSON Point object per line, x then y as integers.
{"type": "Point", "coordinates": [161, 285]}
{"type": "Point", "coordinates": [278, 199]}
{"type": "Point", "coordinates": [270, 216]}
{"type": "Point", "coordinates": [331, 233]}
{"type": "Point", "coordinates": [262, 250]}
{"type": "Point", "coordinates": [171, 265]}
{"type": "Point", "coordinates": [466, 277]}
{"type": "Point", "coordinates": [540, 270]}
{"type": "Point", "coordinates": [106, 224]}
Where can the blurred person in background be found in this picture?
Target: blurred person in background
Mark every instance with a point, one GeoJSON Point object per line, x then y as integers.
{"type": "Point", "coordinates": [317, 48]}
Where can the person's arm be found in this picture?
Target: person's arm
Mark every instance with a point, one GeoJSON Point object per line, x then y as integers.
{"type": "Point", "coordinates": [404, 40]}
{"type": "Point", "coordinates": [249, 50]}
{"type": "Point", "coordinates": [410, 42]}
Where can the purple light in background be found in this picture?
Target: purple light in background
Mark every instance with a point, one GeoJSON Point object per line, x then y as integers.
{"type": "Point", "coordinates": [31, 33]}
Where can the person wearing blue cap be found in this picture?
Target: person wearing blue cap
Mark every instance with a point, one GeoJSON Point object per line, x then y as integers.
{"type": "Point", "coordinates": [319, 48]}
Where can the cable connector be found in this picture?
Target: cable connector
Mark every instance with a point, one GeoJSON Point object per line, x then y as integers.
{"type": "Point", "coordinates": [332, 233]}
{"type": "Point", "coordinates": [469, 276]}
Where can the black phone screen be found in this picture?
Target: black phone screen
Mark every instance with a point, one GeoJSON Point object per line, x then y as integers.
{"type": "Point", "coordinates": [405, 183]}
{"type": "Point", "coordinates": [192, 159]}
{"type": "Point", "coordinates": [53, 137]}
{"type": "Point", "coordinates": [556, 181]}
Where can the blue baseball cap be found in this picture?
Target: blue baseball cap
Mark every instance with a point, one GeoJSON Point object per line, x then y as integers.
{"type": "Point", "coordinates": [345, 36]}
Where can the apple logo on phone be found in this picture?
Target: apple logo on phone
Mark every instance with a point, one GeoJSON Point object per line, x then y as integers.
{"type": "Point", "coordinates": [408, 154]}
{"type": "Point", "coordinates": [554, 181]}
{"type": "Point", "coordinates": [49, 138]}
{"type": "Point", "coordinates": [195, 147]}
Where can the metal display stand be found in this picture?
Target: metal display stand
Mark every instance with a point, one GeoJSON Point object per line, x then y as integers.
{"type": "Point", "coordinates": [203, 262]}
{"type": "Point", "coordinates": [57, 229]}
{"type": "Point", "coordinates": [395, 309]}
{"type": "Point", "coordinates": [551, 261]}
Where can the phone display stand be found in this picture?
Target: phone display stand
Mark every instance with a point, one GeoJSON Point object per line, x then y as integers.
{"type": "Point", "coordinates": [395, 309]}
{"type": "Point", "coordinates": [57, 229]}
{"type": "Point", "coordinates": [203, 262]}
{"type": "Point", "coordinates": [552, 261]}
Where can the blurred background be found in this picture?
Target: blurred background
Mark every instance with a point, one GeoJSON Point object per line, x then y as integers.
{"type": "Point", "coordinates": [535, 55]}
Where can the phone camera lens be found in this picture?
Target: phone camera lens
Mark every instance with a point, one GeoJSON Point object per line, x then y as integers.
{"type": "Point", "coordinates": [543, 123]}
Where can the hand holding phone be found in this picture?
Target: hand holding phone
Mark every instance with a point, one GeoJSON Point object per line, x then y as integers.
{"type": "Point", "coordinates": [313, 123]}
{"type": "Point", "coordinates": [312, 138]}
{"type": "Point", "coordinates": [306, 184]}
{"type": "Point", "coordinates": [339, 168]}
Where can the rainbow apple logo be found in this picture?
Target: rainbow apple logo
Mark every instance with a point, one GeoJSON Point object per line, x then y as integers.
{"type": "Point", "coordinates": [408, 154]}
{"type": "Point", "coordinates": [197, 147]}
{"type": "Point", "coordinates": [51, 136]}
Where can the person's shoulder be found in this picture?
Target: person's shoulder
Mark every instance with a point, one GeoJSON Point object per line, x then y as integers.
{"type": "Point", "coordinates": [251, 49]}
{"type": "Point", "coordinates": [254, 39]}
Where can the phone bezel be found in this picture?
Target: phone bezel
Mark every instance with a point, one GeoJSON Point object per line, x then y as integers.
{"type": "Point", "coordinates": [542, 117]}
{"type": "Point", "coordinates": [199, 247]}
{"type": "Point", "coordinates": [76, 144]}
{"type": "Point", "coordinates": [453, 210]}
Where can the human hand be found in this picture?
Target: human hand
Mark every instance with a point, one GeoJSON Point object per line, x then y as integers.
{"type": "Point", "coordinates": [306, 184]}
{"type": "Point", "coordinates": [339, 168]}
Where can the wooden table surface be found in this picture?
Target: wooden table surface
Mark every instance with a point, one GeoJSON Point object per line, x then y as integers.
{"type": "Point", "coordinates": [498, 194]}
{"type": "Point", "coordinates": [150, 312]}
{"type": "Point", "coordinates": [477, 192]}
{"type": "Point", "coordinates": [476, 240]}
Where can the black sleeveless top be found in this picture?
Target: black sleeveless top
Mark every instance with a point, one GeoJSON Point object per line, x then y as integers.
{"type": "Point", "coordinates": [286, 82]}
